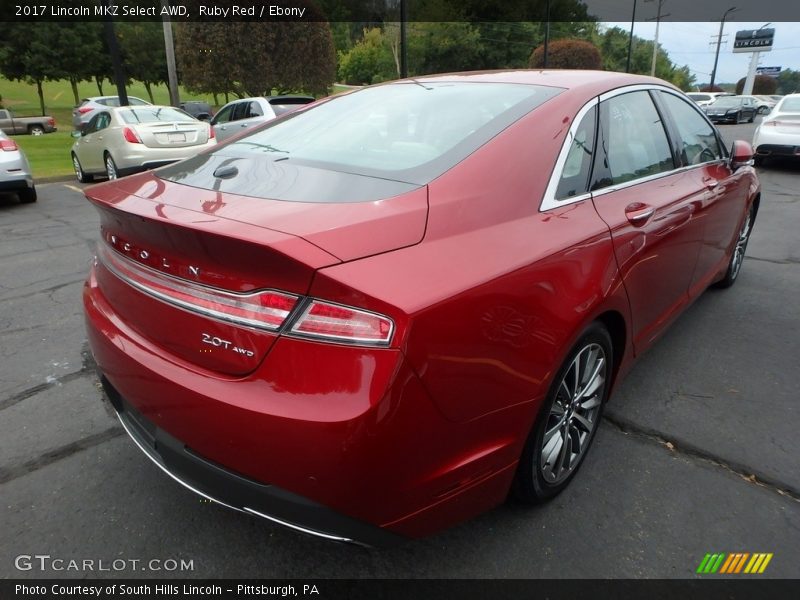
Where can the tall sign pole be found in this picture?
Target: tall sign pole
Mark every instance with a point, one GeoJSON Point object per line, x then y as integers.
{"type": "Point", "coordinates": [169, 48]}
{"type": "Point", "coordinates": [754, 41]}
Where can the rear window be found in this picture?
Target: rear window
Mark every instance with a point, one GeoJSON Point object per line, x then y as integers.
{"type": "Point", "coordinates": [410, 131]}
{"type": "Point", "coordinates": [153, 114]}
{"type": "Point", "coordinates": [790, 105]}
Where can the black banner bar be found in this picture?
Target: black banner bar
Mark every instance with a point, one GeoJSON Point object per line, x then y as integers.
{"type": "Point", "coordinates": [744, 587]}
{"type": "Point", "coordinates": [377, 11]}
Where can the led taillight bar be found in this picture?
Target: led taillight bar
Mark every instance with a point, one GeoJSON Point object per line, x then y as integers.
{"type": "Point", "coordinates": [268, 309]}
{"type": "Point", "coordinates": [265, 310]}
{"type": "Point", "coordinates": [343, 324]}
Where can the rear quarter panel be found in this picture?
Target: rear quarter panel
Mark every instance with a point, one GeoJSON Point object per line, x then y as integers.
{"type": "Point", "coordinates": [497, 292]}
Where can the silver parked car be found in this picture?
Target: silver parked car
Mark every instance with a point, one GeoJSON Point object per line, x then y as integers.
{"type": "Point", "coordinates": [238, 115]}
{"type": "Point", "coordinates": [88, 107]}
{"type": "Point", "coordinates": [119, 141]}
{"type": "Point", "coordinates": [15, 172]}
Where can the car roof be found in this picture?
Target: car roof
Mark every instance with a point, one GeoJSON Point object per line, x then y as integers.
{"type": "Point", "coordinates": [592, 82]}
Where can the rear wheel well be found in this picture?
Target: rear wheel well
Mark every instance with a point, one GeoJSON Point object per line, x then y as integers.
{"type": "Point", "coordinates": [615, 323]}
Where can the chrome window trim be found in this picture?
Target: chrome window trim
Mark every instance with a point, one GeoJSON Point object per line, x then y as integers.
{"type": "Point", "coordinates": [549, 200]}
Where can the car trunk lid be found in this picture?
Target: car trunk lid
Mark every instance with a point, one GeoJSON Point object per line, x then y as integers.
{"type": "Point", "coordinates": [160, 236]}
{"type": "Point", "coordinates": [172, 135]}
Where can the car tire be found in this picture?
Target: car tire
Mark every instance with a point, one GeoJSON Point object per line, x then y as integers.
{"type": "Point", "coordinates": [739, 249]}
{"type": "Point", "coordinates": [111, 167]}
{"type": "Point", "coordinates": [738, 118]}
{"type": "Point", "coordinates": [752, 117]}
{"type": "Point", "coordinates": [567, 416]}
{"type": "Point", "coordinates": [759, 161]}
{"type": "Point", "coordinates": [28, 195]}
{"type": "Point", "coordinates": [36, 130]}
{"type": "Point", "coordinates": [79, 173]}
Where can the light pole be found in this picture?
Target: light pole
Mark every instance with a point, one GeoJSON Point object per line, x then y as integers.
{"type": "Point", "coordinates": [630, 39]}
{"type": "Point", "coordinates": [655, 41]}
{"type": "Point", "coordinates": [719, 41]}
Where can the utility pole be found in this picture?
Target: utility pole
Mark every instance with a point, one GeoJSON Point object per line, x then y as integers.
{"type": "Point", "coordinates": [116, 57]}
{"type": "Point", "coordinates": [403, 40]}
{"type": "Point", "coordinates": [630, 39]}
{"type": "Point", "coordinates": [655, 41]}
{"type": "Point", "coordinates": [719, 41]}
{"type": "Point", "coordinates": [546, 34]}
{"type": "Point", "coordinates": [169, 48]}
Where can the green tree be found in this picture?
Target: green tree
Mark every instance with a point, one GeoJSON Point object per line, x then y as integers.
{"type": "Point", "coordinates": [254, 58]}
{"type": "Point", "coordinates": [567, 54]}
{"type": "Point", "coordinates": [369, 61]}
{"type": "Point", "coordinates": [30, 53]}
{"type": "Point", "coordinates": [142, 45]}
{"type": "Point", "coordinates": [788, 81]}
{"type": "Point", "coordinates": [763, 84]}
{"type": "Point", "coordinates": [92, 57]}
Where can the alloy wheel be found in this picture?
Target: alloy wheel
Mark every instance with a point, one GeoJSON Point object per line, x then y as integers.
{"type": "Point", "coordinates": [741, 245]}
{"type": "Point", "coordinates": [111, 167]}
{"type": "Point", "coordinates": [574, 414]}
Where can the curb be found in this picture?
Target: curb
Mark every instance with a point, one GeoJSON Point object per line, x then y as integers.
{"type": "Point", "coordinates": [55, 179]}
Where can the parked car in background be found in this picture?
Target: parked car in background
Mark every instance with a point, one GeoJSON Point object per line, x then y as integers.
{"type": "Point", "coordinates": [706, 98]}
{"type": "Point", "coordinates": [123, 140]}
{"type": "Point", "coordinates": [238, 115]}
{"type": "Point", "coordinates": [15, 172]}
{"type": "Point", "coordinates": [779, 132]}
{"type": "Point", "coordinates": [765, 104]}
{"type": "Point", "coordinates": [84, 112]}
{"type": "Point", "coordinates": [732, 109]}
{"type": "Point", "coordinates": [10, 124]}
{"type": "Point", "coordinates": [201, 111]}
{"type": "Point", "coordinates": [372, 319]}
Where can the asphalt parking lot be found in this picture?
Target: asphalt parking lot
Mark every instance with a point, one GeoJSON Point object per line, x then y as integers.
{"type": "Point", "coordinates": [698, 452]}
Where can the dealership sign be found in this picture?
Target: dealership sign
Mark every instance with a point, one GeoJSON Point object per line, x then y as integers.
{"type": "Point", "coordinates": [769, 71]}
{"type": "Point", "coordinates": [754, 40]}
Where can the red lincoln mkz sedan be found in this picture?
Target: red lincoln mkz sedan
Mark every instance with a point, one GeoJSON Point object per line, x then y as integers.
{"type": "Point", "coordinates": [373, 318]}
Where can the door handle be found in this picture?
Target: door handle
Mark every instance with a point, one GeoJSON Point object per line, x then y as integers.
{"type": "Point", "coordinates": [639, 213]}
{"type": "Point", "coordinates": [710, 182]}
{"type": "Point", "coordinates": [243, 125]}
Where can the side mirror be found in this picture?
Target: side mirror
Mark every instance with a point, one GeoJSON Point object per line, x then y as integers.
{"type": "Point", "coordinates": [741, 154]}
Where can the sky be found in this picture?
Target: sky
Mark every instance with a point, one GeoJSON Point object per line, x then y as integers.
{"type": "Point", "coordinates": [690, 44]}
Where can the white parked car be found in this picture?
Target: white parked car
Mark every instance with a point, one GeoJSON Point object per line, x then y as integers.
{"type": "Point", "coordinates": [123, 140]}
{"type": "Point", "coordinates": [706, 98]}
{"type": "Point", "coordinates": [235, 117]}
{"type": "Point", "coordinates": [779, 132]}
{"type": "Point", "coordinates": [15, 172]}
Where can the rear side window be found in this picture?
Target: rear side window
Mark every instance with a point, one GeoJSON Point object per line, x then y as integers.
{"type": "Point", "coordinates": [575, 174]}
{"type": "Point", "coordinates": [240, 111]}
{"type": "Point", "coordinates": [255, 110]}
{"type": "Point", "coordinates": [224, 115]}
{"type": "Point", "coordinates": [790, 105]}
{"type": "Point", "coordinates": [698, 141]}
{"type": "Point", "coordinates": [634, 140]}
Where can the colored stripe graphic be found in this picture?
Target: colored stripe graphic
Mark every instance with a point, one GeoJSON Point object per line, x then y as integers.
{"type": "Point", "coordinates": [734, 563]}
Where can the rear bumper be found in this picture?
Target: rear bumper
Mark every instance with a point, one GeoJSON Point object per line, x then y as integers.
{"type": "Point", "coordinates": [230, 489]}
{"type": "Point", "coordinates": [340, 442]}
{"type": "Point", "coordinates": [151, 158]}
{"type": "Point", "coordinates": [778, 150]}
{"type": "Point", "coordinates": [16, 184]}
